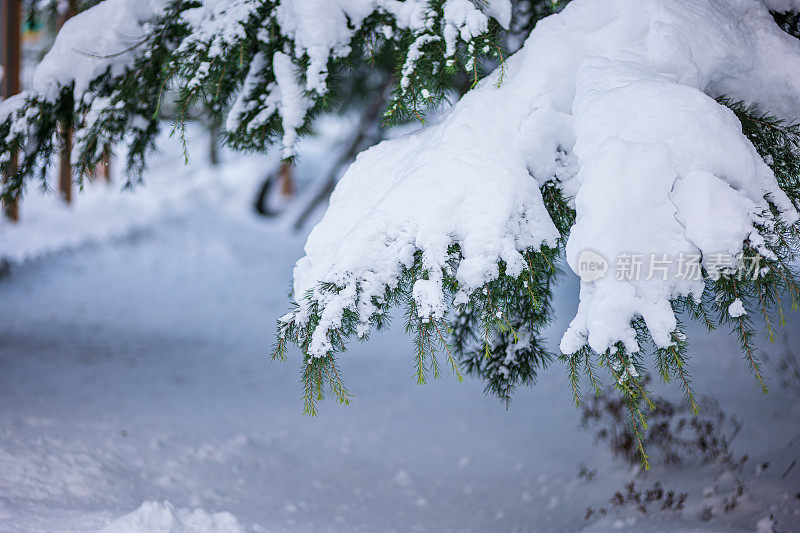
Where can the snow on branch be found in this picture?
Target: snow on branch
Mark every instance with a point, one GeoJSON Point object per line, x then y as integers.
{"type": "Point", "coordinates": [612, 101]}
{"type": "Point", "coordinates": [103, 38]}
{"type": "Point", "coordinates": [782, 6]}
{"type": "Point", "coordinates": [112, 66]}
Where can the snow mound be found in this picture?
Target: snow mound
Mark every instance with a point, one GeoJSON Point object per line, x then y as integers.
{"type": "Point", "coordinates": [612, 100]}
{"type": "Point", "coordinates": [154, 517]}
{"type": "Point", "coordinates": [99, 214]}
{"type": "Point", "coordinates": [105, 212]}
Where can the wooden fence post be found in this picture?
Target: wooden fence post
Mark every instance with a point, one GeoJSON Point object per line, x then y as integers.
{"type": "Point", "coordinates": [10, 27]}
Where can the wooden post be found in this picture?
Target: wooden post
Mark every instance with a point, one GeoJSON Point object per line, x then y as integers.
{"type": "Point", "coordinates": [65, 162]}
{"type": "Point", "coordinates": [65, 167]}
{"type": "Point", "coordinates": [106, 162]}
{"type": "Point", "coordinates": [287, 180]}
{"type": "Point", "coordinates": [10, 27]}
{"type": "Point", "coordinates": [103, 167]}
{"type": "Point", "coordinates": [213, 141]}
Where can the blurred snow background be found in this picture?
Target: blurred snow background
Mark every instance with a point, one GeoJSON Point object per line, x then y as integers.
{"type": "Point", "coordinates": [137, 395]}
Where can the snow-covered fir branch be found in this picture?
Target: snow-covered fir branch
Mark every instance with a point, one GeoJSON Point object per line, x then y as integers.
{"type": "Point", "coordinates": [612, 106]}
{"type": "Point", "coordinates": [265, 63]}
{"type": "Point", "coordinates": [652, 142]}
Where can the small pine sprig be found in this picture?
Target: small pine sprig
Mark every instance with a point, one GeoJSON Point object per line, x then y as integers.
{"type": "Point", "coordinates": [777, 141]}
{"type": "Point", "coordinates": [497, 333]}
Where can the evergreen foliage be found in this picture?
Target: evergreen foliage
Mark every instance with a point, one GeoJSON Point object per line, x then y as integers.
{"type": "Point", "coordinates": [493, 333]}
{"type": "Point", "coordinates": [225, 62]}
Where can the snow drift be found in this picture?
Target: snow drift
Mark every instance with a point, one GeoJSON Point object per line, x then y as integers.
{"type": "Point", "coordinates": [154, 517]}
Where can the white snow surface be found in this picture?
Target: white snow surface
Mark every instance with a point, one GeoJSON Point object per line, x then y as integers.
{"type": "Point", "coordinates": [736, 309]}
{"type": "Point", "coordinates": [104, 212]}
{"type": "Point", "coordinates": [616, 100]}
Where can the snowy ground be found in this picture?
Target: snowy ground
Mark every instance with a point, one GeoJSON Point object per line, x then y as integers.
{"type": "Point", "coordinates": [136, 396]}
